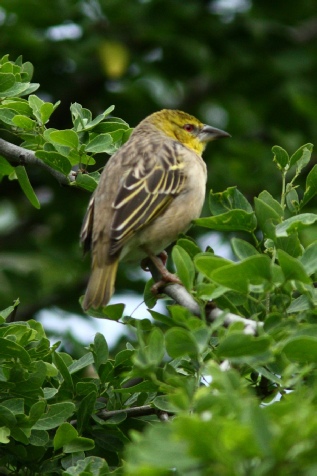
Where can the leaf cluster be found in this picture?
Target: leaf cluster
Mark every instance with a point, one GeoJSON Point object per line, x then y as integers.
{"type": "Point", "coordinates": [68, 151]}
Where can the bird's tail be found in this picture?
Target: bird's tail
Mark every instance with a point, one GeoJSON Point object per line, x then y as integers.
{"type": "Point", "coordinates": [100, 286]}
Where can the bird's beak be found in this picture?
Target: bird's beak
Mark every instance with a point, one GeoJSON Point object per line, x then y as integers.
{"type": "Point", "coordinates": [208, 133]}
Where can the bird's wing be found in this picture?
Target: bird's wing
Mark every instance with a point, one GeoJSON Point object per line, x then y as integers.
{"type": "Point", "coordinates": [86, 230]}
{"type": "Point", "coordinates": [146, 189]}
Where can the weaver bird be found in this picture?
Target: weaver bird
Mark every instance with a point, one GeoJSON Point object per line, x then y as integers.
{"type": "Point", "coordinates": [150, 191]}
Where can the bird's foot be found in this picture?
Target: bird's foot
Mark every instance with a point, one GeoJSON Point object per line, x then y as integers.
{"type": "Point", "coordinates": [169, 278]}
{"type": "Point", "coordinates": [159, 262]}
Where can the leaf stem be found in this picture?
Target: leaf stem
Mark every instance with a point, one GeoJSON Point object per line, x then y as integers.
{"type": "Point", "coordinates": [283, 195]}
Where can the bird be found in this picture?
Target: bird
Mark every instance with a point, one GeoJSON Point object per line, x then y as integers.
{"type": "Point", "coordinates": [149, 192]}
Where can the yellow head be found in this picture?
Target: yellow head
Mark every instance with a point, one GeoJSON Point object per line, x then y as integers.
{"type": "Point", "coordinates": [185, 128]}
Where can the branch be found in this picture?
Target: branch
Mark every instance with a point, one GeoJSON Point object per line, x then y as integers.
{"type": "Point", "coordinates": [130, 412]}
{"type": "Point", "coordinates": [179, 294]}
{"type": "Point", "coordinates": [16, 154]}
{"type": "Point", "coordinates": [305, 32]}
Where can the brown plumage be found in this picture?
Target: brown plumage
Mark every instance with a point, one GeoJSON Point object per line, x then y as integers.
{"type": "Point", "coordinates": [150, 191]}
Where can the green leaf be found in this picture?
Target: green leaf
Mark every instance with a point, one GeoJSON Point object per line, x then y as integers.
{"type": "Point", "coordinates": [75, 157]}
{"type": "Point", "coordinates": [99, 118]}
{"type": "Point", "coordinates": [99, 144]}
{"type": "Point", "coordinates": [292, 268]}
{"type": "Point", "coordinates": [311, 186]}
{"type": "Point", "coordinates": [157, 451]}
{"type": "Point", "coordinates": [180, 342]}
{"type": "Point", "coordinates": [82, 118]}
{"type": "Point", "coordinates": [16, 405]}
{"type": "Point", "coordinates": [36, 411]}
{"type": "Point", "coordinates": [86, 181]}
{"type": "Point", "coordinates": [39, 438]}
{"type": "Point", "coordinates": [161, 318]}
{"type": "Point", "coordinates": [6, 115]}
{"type": "Point", "coordinates": [301, 349]}
{"type": "Point", "coordinates": [100, 349]}
{"type": "Point", "coordinates": [7, 80]}
{"type": "Point", "coordinates": [302, 303]}
{"type": "Point", "coordinates": [123, 357]}
{"type": "Point", "coordinates": [55, 160]}
{"type": "Point", "coordinates": [267, 217]}
{"type": "Point", "coordinates": [20, 106]}
{"type": "Point", "coordinates": [207, 263]}
{"type": "Point", "coordinates": [85, 409]}
{"type": "Point", "coordinates": [91, 466]}
{"type": "Point", "coordinates": [295, 223]}
{"type": "Point", "coordinates": [79, 444]}
{"type": "Point", "coordinates": [145, 386]}
{"type": "Point", "coordinates": [230, 199]}
{"type": "Point", "coordinates": [238, 345]}
{"type": "Point", "coordinates": [19, 89]}
{"type": "Point", "coordinates": [84, 388]}
{"type": "Point", "coordinates": [156, 349]}
{"type": "Point", "coordinates": [12, 350]}
{"type": "Point", "coordinates": [5, 167]}
{"type": "Point", "coordinates": [23, 122]}
{"type": "Point", "coordinates": [28, 68]}
{"type": "Point", "coordinates": [210, 291]}
{"type": "Point", "coordinates": [26, 186]}
{"type": "Point", "coordinates": [302, 156]}
{"type": "Point", "coordinates": [84, 361]}
{"type": "Point", "coordinates": [309, 259]}
{"type": "Point", "coordinates": [242, 249]}
{"type": "Point", "coordinates": [46, 111]}
{"type": "Point", "coordinates": [290, 244]}
{"type": "Point", "coordinates": [24, 91]}
{"type": "Point", "coordinates": [35, 103]}
{"type": "Point", "coordinates": [230, 221]}
{"type": "Point", "coordinates": [292, 200]}
{"type": "Point", "coordinates": [281, 157]}
{"type": "Point", "coordinates": [7, 417]}
{"type": "Point", "coordinates": [64, 434]}
{"type": "Point", "coordinates": [150, 298]}
{"type": "Point", "coordinates": [55, 416]}
{"type": "Point", "coordinates": [67, 137]}
{"type": "Point", "coordinates": [5, 59]}
{"type": "Point", "coordinates": [112, 124]}
{"type": "Point", "coordinates": [62, 367]}
{"type": "Point", "coordinates": [8, 310]}
{"type": "Point", "coordinates": [184, 266]}
{"type": "Point", "coordinates": [252, 274]}
{"type": "Point", "coordinates": [267, 198]}
{"type": "Point", "coordinates": [4, 435]}
{"type": "Point", "coordinates": [189, 245]}
{"type": "Point", "coordinates": [113, 312]}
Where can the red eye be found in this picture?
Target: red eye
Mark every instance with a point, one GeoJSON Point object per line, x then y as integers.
{"type": "Point", "coordinates": [189, 127]}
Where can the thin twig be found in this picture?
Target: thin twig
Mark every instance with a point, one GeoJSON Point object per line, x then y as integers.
{"type": "Point", "coordinates": [16, 154]}
{"type": "Point", "coordinates": [130, 412]}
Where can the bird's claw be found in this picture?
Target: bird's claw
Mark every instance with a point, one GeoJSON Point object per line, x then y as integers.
{"type": "Point", "coordinates": [167, 279]}
{"type": "Point", "coordinates": [160, 263]}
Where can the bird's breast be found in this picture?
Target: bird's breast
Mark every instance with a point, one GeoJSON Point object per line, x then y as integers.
{"type": "Point", "coordinates": [175, 219]}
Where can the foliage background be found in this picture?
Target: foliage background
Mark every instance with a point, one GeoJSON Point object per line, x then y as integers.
{"type": "Point", "coordinates": [248, 67]}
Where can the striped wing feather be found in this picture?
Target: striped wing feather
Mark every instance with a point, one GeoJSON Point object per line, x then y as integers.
{"type": "Point", "coordinates": [146, 190]}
